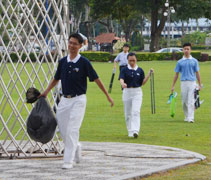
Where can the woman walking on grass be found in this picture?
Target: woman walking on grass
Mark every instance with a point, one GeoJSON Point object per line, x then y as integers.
{"type": "Point", "coordinates": [132, 78]}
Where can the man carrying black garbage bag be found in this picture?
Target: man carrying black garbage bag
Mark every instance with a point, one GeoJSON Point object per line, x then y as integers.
{"type": "Point", "coordinates": [73, 71]}
{"type": "Point", "coordinates": [41, 123]}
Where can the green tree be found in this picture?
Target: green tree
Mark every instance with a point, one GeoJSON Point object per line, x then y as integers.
{"type": "Point", "coordinates": [122, 10]}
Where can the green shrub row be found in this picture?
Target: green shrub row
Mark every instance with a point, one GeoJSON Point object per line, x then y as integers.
{"type": "Point", "coordinates": [32, 57]}
{"type": "Point", "coordinates": [143, 56]}
{"type": "Point", "coordinates": [105, 56]}
{"type": "Point", "coordinates": [97, 56]}
{"type": "Point", "coordinates": [200, 47]}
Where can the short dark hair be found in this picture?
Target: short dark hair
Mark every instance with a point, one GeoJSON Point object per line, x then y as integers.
{"type": "Point", "coordinates": [131, 54]}
{"type": "Point", "coordinates": [126, 45]}
{"type": "Point", "coordinates": [187, 44]}
{"type": "Point", "coordinates": [77, 36]}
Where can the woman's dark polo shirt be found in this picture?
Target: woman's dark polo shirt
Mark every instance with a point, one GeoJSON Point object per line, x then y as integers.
{"type": "Point", "coordinates": [133, 78]}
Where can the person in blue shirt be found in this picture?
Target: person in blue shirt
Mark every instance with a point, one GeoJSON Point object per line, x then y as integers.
{"type": "Point", "coordinates": [73, 71]}
{"type": "Point", "coordinates": [132, 78]}
{"type": "Point", "coordinates": [188, 67]}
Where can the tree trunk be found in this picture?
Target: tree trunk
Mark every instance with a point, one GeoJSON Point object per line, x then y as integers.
{"type": "Point", "coordinates": [155, 39]}
{"type": "Point", "coordinates": [197, 24]}
{"type": "Point", "coordinates": [88, 25]}
{"type": "Point", "coordinates": [77, 22]}
{"type": "Point", "coordinates": [108, 25]}
{"type": "Point", "coordinates": [183, 29]}
{"type": "Point", "coordinates": [111, 26]}
{"type": "Point", "coordinates": [155, 28]}
{"type": "Point", "coordinates": [128, 26]}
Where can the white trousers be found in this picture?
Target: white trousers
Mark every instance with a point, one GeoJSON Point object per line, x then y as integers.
{"type": "Point", "coordinates": [132, 99]}
{"type": "Point", "coordinates": [187, 93]}
{"type": "Point", "coordinates": [70, 114]}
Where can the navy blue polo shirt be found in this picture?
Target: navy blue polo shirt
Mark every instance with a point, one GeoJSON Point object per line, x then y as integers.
{"type": "Point", "coordinates": [132, 77]}
{"type": "Point", "coordinates": [73, 76]}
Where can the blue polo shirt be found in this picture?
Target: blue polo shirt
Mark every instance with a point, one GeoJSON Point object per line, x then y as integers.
{"type": "Point", "coordinates": [132, 77]}
{"type": "Point", "coordinates": [73, 75]}
{"type": "Point", "coordinates": [188, 68]}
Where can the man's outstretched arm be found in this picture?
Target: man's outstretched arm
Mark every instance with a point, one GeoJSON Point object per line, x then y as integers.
{"type": "Point", "coordinates": [199, 79]}
{"type": "Point", "coordinates": [102, 87]}
{"type": "Point", "coordinates": [174, 82]}
{"type": "Point", "coordinates": [50, 86]}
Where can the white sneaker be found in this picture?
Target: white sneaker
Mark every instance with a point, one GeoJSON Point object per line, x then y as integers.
{"type": "Point", "coordinates": [191, 121]}
{"type": "Point", "coordinates": [186, 120]}
{"type": "Point", "coordinates": [78, 154]}
{"type": "Point", "coordinates": [67, 166]}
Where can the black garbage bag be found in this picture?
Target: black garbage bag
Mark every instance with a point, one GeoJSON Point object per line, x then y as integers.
{"type": "Point", "coordinates": [41, 123]}
{"type": "Point", "coordinates": [32, 95]}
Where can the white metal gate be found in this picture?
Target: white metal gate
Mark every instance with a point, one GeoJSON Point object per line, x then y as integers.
{"type": "Point", "coordinates": [33, 36]}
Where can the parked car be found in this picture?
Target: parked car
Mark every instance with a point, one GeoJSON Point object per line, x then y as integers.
{"type": "Point", "coordinates": [169, 50]}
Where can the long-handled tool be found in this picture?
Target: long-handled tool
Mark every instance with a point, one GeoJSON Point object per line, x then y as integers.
{"type": "Point", "coordinates": [112, 79]}
{"type": "Point", "coordinates": [152, 88]}
{"type": "Point", "coordinates": [172, 102]}
{"type": "Point", "coordinates": [197, 99]}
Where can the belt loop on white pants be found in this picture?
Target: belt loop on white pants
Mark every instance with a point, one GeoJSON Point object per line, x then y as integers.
{"type": "Point", "coordinates": [132, 99]}
{"type": "Point", "coordinates": [70, 114]}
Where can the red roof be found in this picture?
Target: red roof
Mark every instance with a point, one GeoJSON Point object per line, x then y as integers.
{"type": "Point", "coordinates": [106, 38]}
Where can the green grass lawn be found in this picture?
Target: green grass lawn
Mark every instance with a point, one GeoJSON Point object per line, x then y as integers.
{"type": "Point", "coordinates": [103, 123]}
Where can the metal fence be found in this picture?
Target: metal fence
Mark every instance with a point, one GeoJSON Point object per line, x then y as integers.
{"type": "Point", "coordinates": [33, 38]}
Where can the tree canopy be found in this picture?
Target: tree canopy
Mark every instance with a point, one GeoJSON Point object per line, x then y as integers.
{"type": "Point", "coordinates": [130, 12]}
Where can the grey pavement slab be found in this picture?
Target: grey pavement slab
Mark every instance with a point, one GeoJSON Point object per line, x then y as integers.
{"type": "Point", "coordinates": [101, 161]}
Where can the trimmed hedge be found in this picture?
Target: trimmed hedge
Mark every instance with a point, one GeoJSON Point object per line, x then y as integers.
{"type": "Point", "coordinates": [143, 56]}
{"type": "Point", "coordinates": [199, 47]}
{"type": "Point", "coordinates": [97, 56]}
{"type": "Point", "coordinates": [204, 57]}
{"type": "Point", "coordinates": [32, 57]}
{"type": "Point", "coordinates": [106, 56]}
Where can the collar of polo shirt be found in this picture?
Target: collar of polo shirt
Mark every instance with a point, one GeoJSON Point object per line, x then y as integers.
{"type": "Point", "coordinates": [75, 60]}
{"type": "Point", "coordinates": [187, 58]}
{"type": "Point", "coordinates": [129, 67]}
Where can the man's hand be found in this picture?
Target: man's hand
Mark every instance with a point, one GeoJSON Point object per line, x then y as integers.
{"type": "Point", "coordinates": [200, 87]}
{"type": "Point", "coordinates": [111, 101]}
{"type": "Point", "coordinates": [174, 82]}
{"type": "Point", "coordinates": [115, 64]}
{"type": "Point", "coordinates": [44, 94]}
{"type": "Point", "coordinates": [172, 89]}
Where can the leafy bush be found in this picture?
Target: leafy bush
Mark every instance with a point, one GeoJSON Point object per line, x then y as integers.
{"type": "Point", "coordinates": [151, 56]}
{"type": "Point", "coordinates": [204, 57]}
{"type": "Point", "coordinates": [14, 57]}
{"type": "Point", "coordinates": [106, 56]}
{"type": "Point", "coordinates": [198, 47]}
{"type": "Point", "coordinates": [118, 46]}
{"type": "Point", "coordinates": [195, 38]}
{"type": "Point", "coordinates": [135, 48]}
{"type": "Point", "coordinates": [97, 56]}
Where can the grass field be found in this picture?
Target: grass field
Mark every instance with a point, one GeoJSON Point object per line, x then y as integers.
{"type": "Point", "coordinates": [103, 123]}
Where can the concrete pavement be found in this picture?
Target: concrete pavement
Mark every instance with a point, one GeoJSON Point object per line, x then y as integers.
{"type": "Point", "coordinates": [101, 161]}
